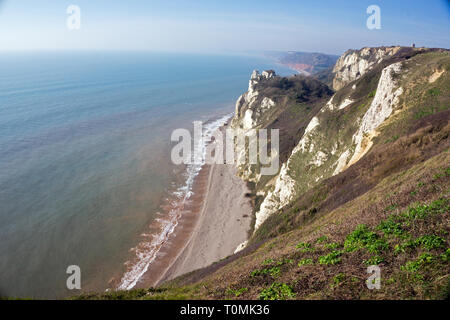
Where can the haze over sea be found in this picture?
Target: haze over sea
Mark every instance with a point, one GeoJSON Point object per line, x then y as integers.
{"type": "Point", "coordinates": [85, 155]}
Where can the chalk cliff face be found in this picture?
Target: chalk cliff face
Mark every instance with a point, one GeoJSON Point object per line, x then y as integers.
{"type": "Point", "coordinates": [354, 63]}
{"type": "Point", "coordinates": [250, 109]}
{"type": "Point", "coordinates": [338, 135]}
{"type": "Point", "coordinates": [247, 110]}
{"type": "Point", "coordinates": [287, 104]}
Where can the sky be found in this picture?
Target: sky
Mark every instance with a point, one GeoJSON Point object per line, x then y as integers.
{"type": "Point", "coordinates": [226, 26]}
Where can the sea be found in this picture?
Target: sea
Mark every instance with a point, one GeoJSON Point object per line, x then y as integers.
{"type": "Point", "coordinates": [85, 168]}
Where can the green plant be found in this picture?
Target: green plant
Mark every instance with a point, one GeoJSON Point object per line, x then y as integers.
{"type": "Point", "coordinates": [430, 242]}
{"type": "Point", "coordinates": [236, 292]}
{"type": "Point", "coordinates": [434, 92]}
{"type": "Point", "coordinates": [333, 257]}
{"type": "Point", "coordinates": [277, 291]}
{"type": "Point", "coordinates": [446, 255]}
{"type": "Point", "coordinates": [285, 261]}
{"type": "Point", "coordinates": [333, 245]}
{"type": "Point", "coordinates": [402, 247]}
{"type": "Point", "coordinates": [372, 94]}
{"type": "Point", "coordinates": [375, 260]}
{"type": "Point", "coordinates": [338, 279]}
{"type": "Point", "coordinates": [273, 272]}
{"type": "Point", "coordinates": [321, 239]}
{"type": "Point", "coordinates": [267, 261]}
{"type": "Point", "coordinates": [304, 247]}
{"type": "Point", "coordinates": [305, 261]}
{"type": "Point", "coordinates": [439, 206]}
{"type": "Point", "coordinates": [415, 265]}
{"type": "Point", "coordinates": [362, 237]}
{"type": "Point", "coordinates": [389, 226]}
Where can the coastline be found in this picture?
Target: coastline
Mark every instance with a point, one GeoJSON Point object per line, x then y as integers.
{"type": "Point", "coordinates": [213, 223]}
{"type": "Point", "coordinates": [223, 223]}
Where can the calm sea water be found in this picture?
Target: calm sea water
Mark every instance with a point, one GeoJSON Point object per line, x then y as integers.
{"type": "Point", "coordinates": [85, 155]}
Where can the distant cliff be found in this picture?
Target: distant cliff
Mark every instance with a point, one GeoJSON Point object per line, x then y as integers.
{"type": "Point", "coordinates": [306, 63]}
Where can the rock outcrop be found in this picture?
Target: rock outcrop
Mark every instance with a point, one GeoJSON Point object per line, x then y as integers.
{"type": "Point", "coordinates": [323, 151]}
{"type": "Point", "coordinates": [354, 63]}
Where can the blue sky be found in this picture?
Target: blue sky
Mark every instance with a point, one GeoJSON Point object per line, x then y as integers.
{"type": "Point", "coordinates": [329, 26]}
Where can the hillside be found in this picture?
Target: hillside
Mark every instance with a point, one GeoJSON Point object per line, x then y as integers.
{"type": "Point", "coordinates": [306, 63]}
{"type": "Point", "coordinates": [364, 180]}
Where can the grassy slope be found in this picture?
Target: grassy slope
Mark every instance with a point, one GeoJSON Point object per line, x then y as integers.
{"type": "Point", "coordinates": [391, 209]}
{"type": "Point", "coordinates": [326, 258]}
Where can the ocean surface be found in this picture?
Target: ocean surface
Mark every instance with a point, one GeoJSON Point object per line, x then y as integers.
{"type": "Point", "coordinates": [85, 164]}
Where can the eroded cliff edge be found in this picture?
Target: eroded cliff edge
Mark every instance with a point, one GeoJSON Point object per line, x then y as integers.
{"type": "Point", "coordinates": [334, 131]}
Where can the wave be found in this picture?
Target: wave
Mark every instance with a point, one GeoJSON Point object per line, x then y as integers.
{"type": "Point", "coordinates": [146, 251]}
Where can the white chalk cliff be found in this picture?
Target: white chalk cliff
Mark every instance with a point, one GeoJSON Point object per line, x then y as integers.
{"type": "Point", "coordinates": [354, 63]}
{"type": "Point", "coordinates": [317, 159]}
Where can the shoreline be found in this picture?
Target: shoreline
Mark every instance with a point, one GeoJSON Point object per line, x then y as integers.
{"type": "Point", "coordinates": [169, 251]}
{"type": "Point", "coordinates": [223, 224]}
{"type": "Point", "coordinates": [213, 223]}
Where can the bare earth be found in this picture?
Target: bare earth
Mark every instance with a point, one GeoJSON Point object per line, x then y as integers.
{"type": "Point", "coordinates": [221, 226]}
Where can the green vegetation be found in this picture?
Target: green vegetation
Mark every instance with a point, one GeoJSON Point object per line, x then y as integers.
{"type": "Point", "coordinates": [375, 260]}
{"type": "Point", "coordinates": [434, 92]}
{"type": "Point", "coordinates": [415, 265]}
{"type": "Point", "coordinates": [430, 242]}
{"type": "Point", "coordinates": [333, 257]}
{"type": "Point", "coordinates": [237, 292]}
{"type": "Point", "coordinates": [304, 247]}
{"type": "Point", "coordinates": [268, 261]}
{"type": "Point", "coordinates": [338, 279]}
{"type": "Point", "coordinates": [372, 94]}
{"type": "Point", "coordinates": [439, 206]}
{"type": "Point", "coordinates": [333, 245]}
{"type": "Point", "coordinates": [277, 291]}
{"type": "Point", "coordinates": [362, 237]}
{"type": "Point", "coordinates": [273, 272]}
{"type": "Point", "coordinates": [305, 261]}
{"type": "Point", "coordinates": [321, 239]}
{"type": "Point", "coordinates": [390, 227]}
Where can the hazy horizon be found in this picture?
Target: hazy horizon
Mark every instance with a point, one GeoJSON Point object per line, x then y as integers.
{"type": "Point", "coordinates": [217, 27]}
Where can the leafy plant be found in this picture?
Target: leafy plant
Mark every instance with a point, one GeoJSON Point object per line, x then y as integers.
{"type": "Point", "coordinates": [304, 247]}
{"type": "Point", "coordinates": [402, 247]}
{"type": "Point", "coordinates": [305, 262]}
{"type": "Point", "coordinates": [362, 237]}
{"type": "Point", "coordinates": [430, 241]}
{"type": "Point", "coordinates": [333, 245]}
{"type": "Point", "coordinates": [333, 257]}
{"type": "Point", "coordinates": [415, 265]}
{"type": "Point", "coordinates": [321, 239]}
{"type": "Point", "coordinates": [446, 255]}
{"type": "Point", "coordinates": [338, 279]}
{"type": "Point", "coordinates": [375, 260]}
{"type": "Point", "coordinates": [267, 261]}
{"type": "Point", "coordinates": [389, 226]}
{"type": "Point", "coordinates": [273, 272]}
{"type": "Point", "coordinates": [236, 292]}
{"type": "Point", "coordinates": [277, 291]}
{"type": "Point", "coordinates": [439, 206]}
